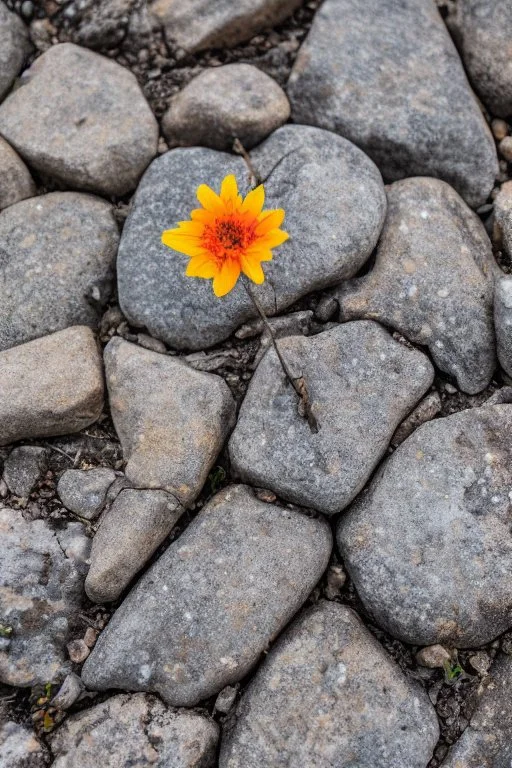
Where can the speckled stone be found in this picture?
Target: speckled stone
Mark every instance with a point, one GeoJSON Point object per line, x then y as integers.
{"type": "Point", "coordinates": [386, 75]}
{"type": "Point", "coordinates": [234, 101]}
{"type": "Point", "coordinates": [62, 388]}
{"type": "Point", "coordinates": [326, 695]}
{"type": "Point", "coordinates": [487, 741]}
{"type": "Point", "coordinates": [129, 533]}
{"type": "Point", "coordinates": [23, 468]}
{"type": "Point", "coordinates": [324, 183]}
{"type": "Point", "coordinates": [19, 746]}
{"type": "Point", "coordinates": [503, 322]}
{"type": "Point", "coordinates": [483, 32]}
{"type": "Point", "coordinates": [432, 280]}
{"type": "Point", "coordinates": [202, 615]}
{"type": "Point", "coordinates": [82, 119]}
{"type": "Point", "coordinates": [433, 529]}
{"type": "Point", "coordinates": [17, 183]}
{"type": "Point", "coordinates": [138, 730]}
{"type": "Point", "coordinates": [502, 229]}
{"type": "Point", "coordinates": [85, 491]}
{"type": "Point", "coordinates": [14, 47]}
{"type": "Point", "coordinates": [198, 24]}
{"type": "Point", "coordinates": [41, 590]}
{"type": "Point", "coordinates": [361, 384]}
{"type": "Point", "coordinates": [171, 420]}
{"type": "Point", "coordinates": [57, 264]}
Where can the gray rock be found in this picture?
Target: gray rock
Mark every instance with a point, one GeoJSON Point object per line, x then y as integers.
{"type": "Point", "coordinates": [17, 183]}
{"type": "Point", "coordinates": [69, 692]}
{"type": "Point", "coordinates": [23, 468]}
{"type": "Point", "coordinates": [432, 280]}
{"type": "Point", "coordinates": [361, 383]}
{"type": "Point", "coordinates": [103, 24]}
{"type": "Point", "coordinates": [433, 656]}
{"type": "Point", "coordinates": [502, 229]}
{"type": "Point", "coordinates": [312, 174]}
{"type": "Point", "coordinates": [386, 75]}
{"type": "Point", "coordinates": [83, 120]}
{"type": "Point", "coordinates": [14, 47]}
{"type": "Point", "coordinates": [125, 731]}
{"type": "Point", "coordinates": [129, 533]}
{"type": "Point", "coordinates": [198, 24]}
{"type": "Point", "coordinates": [226, 699]}
{"type": "Point", "coordinates": [201, 616]}
{"type": "Point", "coordinates": [57, 262]}
{"type": "Point", "coordinates": [62, 388]}
{"type": "Point", "coordinates": [483, 32]}
{"type": "Point", "coordinates": [503, 322]}
{"type": "Point", "coordinates": [329, 695]}
{"type": "Point", "coordinates": [85, 491]}
{"type": "Point", "coordinates": [428, 547]}
{"type": "Point", "coordinates": [41, 590]}
{"type": "Point", "coordinates": [236, 101]}
{"type": "Point", "coordinates": [19, 746]}
{"type": "Point", "coordinates": [487, 742]}
{"type": "Point", "coordinates": [171, 420]}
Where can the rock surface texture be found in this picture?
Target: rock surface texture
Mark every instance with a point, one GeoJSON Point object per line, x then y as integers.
{"type": "Point", "coordinates": [17, 183]}
{"type": "Point", "coordinates": [328, 695]}
{"type": "Point", "coordinates": [85, 492]}
{"type": "Point", "coordinates": [502, 233]}
{"type": "Point", "coordinates": [487, 742]}
{"type": "Point", "coordinates": [62, 386]}
{"type": "Point", "coordinates": [56, 264]}
{"type": "Point", "coordinates": [432, 280]}
{"type": "Point", "coordinates": [361, 384]}
{"type": "Point", "coordinates": [81, 119]}
{"type": "Point", "coordinates": [172, 420]}
{"type": "Point", "coordinates": [19, 747]}
{"type": "Point", "coordinates": [335, 206]}
{"type": "Point", "coordinates": [236, 101]}
{"type": "Point", "coordinates": [198, 24]}
{"type": "Point", "coordinates": [139, 730]}
{"type": "Point", "coordinates": [23, 468]}
{"type": "Point", "coordinates": [433, 529]}
{"type": "Point", "coordinates": [386, 75]}
{"type": "Point", "coordinates": [14, 48]}
{"type": "Point", "coordinates": [483, 33]}
{"type": "Point", "coordinates": [503, 322]}
{"type": "Point", "coordinates": [201, 616]}
{"type": "Point", "coordinates": [130, 531]}
{"type": "Point", "coordinates": [41, 588]}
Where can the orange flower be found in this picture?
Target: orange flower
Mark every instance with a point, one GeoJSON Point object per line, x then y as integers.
{"type": "Point", "coordinates": [228, 235]}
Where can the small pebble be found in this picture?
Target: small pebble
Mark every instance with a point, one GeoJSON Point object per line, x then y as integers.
{"type": "Point", "coordinates": [480, 662]}
{"type": "Point", "coordinates": [77, 651]}
{"type": "Point", "coordinates": [68, 693]}
{"type": "Point", "coordinates": [433, 656]}
{"type": "Point", "coordinates": [326, 309]}
{"type": "Point", "coordinates": [226, 699]}
{"type": "Point", "coordinates": [450, 389]}
{"type": "Point", "coordinates": [499, 129]}
{"type": "Point", "coordinates": [148, 342]}
{"type": "Point", "coordinates": [505, 147]}
{"type": "Point", "coordinates": [267, 496]}
{"type": "Point", "coordinates": [90, 636]}
{"type": "Point", "coordinates": [336, 578]}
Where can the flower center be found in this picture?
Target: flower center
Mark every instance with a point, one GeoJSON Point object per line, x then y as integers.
{"type": "Point", "coordinates": [228, 237]}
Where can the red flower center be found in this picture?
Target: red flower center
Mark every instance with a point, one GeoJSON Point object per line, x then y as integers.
{"type": "Point", "coordinates": [228, 237]}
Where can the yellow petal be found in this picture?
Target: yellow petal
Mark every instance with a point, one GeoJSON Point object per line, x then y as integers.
{"type": "Point", "coordinates": [252, 268]}
{"type": "Point", "coordinates": [229, 188]}
{"type": "Point", "coordinates": [225, 280]}
{"type": "Point", "coordinates": [200, 214]}
{"type": "Point", "coordinates": [273, 239]}
{"type": "Point", "coordinates": [254, 201]}
{"type": "Point", "coordinates": [260, 253]}
{"type": "Point", "coordinates": [210, 199]}
{"type": "Point", "coordinates": [269, 220]}
{"type": "Point", "coordinates": [191, 228]}
{"type": "Point", "coordinates": [187, 244]}
{"type": "Point", "coordinates": [201, 266]}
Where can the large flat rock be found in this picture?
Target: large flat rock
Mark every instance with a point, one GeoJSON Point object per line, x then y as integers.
{"type": "Point", "coordinates": [361, 384]}
{"type": "Point", "coordinates": [335, 206]}
{"type": "Point", "coordinates": [329, 695]}
{"type": "Point", "coordinates": [386, 75]}
{"type": "Point", "coordinates": [171, 419]}
{"type": "Point", "coordinates": [198, 24]}
{"type": "Point", "coordinates": [428, 547]}
{"type": "Point", "coordinates": [483, 33]}
{"type": "Point", "coordinates": [50, 386]}
{"type": "Point", "coordinates": [126, 731]}
{"type": "Point", "coordinates": [57, 258]}
{"type": "Point", "coordinates": [432, 280]}
{"type": "Point", "coordinates": [41, 591]}
{"type": "Point", "coordinates": [82, 119]}
{"type": "Point", "coordinates": [201, 616]}
{"type": "Point", "coordinates": [14, 47]}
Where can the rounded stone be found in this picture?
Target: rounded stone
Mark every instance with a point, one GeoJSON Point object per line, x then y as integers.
{"type": "Point", "coordinates": [236, 101]}
{"type": "Point", "coordinates": [17, 183]}
{"type": "Point", "coordinates": [14, 47]}
{"type": "Point", "coordinates": [82, 119]}
{"type": "Point", "coordinates": [85, 491]}
{"type": "Point", "coordinates": [428, 546]}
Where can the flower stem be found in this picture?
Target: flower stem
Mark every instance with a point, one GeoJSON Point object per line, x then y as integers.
{"type": "Point", "coordinates": [297, 382]}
